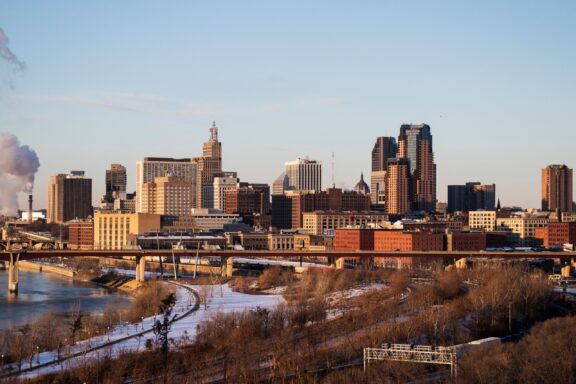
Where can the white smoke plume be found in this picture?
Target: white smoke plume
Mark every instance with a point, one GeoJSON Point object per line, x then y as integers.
{"type": "Point", "coordinates": [18, 166]}
{"type": "Point", "coordinates": [8, 55]}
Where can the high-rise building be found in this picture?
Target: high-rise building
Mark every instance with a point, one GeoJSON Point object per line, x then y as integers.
{"type": "Point", "coordinates": [557, 188]}
{"type": "Point", "coordinates": [115, 180]}
{"type": "Point", "coordinates": [303, 175]}
{"type": "Point", "coordinates": [69, 197]}
{"type": "Point", "coordinates": [378, 189]}
{"type": "Point", "coordinates": [167, 195]}
{"type": "Point", "coordinates": [222, 184]}
{"type": "Point", "coordinates": [471, 197]}
{"type": "Point", "coordinates": [385, 148]}
{"type": "Point", "coordinates": [397, 184]}
{"type": "Point", "coordinates": [209, 166]}
{"type": "Point", "coordinates": [415, 144]}
{"type": "Point", "coordinates": [280, 185]}
{"type": "Point", "coordinates": [152, 167]}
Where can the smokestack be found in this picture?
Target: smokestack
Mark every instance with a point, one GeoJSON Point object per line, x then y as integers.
{"type": "Point", "coordinates": [29, 209]}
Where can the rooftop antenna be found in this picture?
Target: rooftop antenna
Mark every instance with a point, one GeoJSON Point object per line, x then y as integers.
{"type": "Point", "coordinates": [333, 183]}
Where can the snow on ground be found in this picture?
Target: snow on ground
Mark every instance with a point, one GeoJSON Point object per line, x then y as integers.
{"type": "Point", "coordinates": [337, 298]}
{"type": "Point", "coordinates": [221, 299]}
{"type": "Point", "coordinates": [282, 263]}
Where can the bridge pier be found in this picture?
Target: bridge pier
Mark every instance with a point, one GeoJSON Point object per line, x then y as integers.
{"type": "Point", "coordinates": [226, 266]}
{"type": "Point", "coordinates": [140, 268]}
{"type": "Point", "coordinates": [339, 262]}
{"type": "Point", "coordinates": [13, 273]}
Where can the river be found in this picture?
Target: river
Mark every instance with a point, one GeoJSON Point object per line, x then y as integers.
{"type": "Point", "coordinates": [42, 292]}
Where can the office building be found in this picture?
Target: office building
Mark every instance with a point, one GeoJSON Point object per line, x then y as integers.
{"type": "Point", "coordinates": [385, 148]}
{"type": "Point", "coordinates": [555, 235]}
{"type": "Point", "coordinates": [167, 195]}
{"type": "Point", "coordinates": [303, 175]}
{"type": "Point", "coordinates": [116, 180]}
{"type": "Point", "coordinates": [415, 144]}
{"type": "Point", "coordinates": [81, 235]}
{"type": "Point", "coordinates": [322, 222]}
{"type": "Point", "coordinates": [521, 230]}
{"type": "Point", "coordinates": [112, 230]}
{"type": "Point", "coordinates": [280, 185]}
{"type": "Point", "coordinates": [557, 188]}
{"type": "Point", "coordinates": [288, 209]}
{"type": "Point", "coordinates": [484, 220]}
{"type": "Point", "coordinates": [471, 197]}
{"type": "Point", "coordinates": [152, 167]}
{"type": "Point", "coordinates": [397, 184]}
{"type": "Point", "coordinates": [209, 166]}
{"type": "Point", "coordinates": [69, 197]}
{"type": "Point", "coordinates": [220, 185]}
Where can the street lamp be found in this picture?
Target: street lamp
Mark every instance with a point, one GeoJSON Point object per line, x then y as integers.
{"type": "Point", "coordinates": [37, 354]}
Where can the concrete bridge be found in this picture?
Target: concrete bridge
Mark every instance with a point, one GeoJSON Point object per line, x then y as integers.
{"type": "Point", "coordinates": [13, 256]}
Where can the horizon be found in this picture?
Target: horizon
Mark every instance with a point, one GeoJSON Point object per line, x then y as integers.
{"type": "Point", "coordinates": [96, 84]}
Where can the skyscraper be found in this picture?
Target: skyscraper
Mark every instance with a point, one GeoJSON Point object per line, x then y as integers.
{"type": "Point", "coordinates": [115, 180]}
{"type": "Point", "coordinates": [415, 144]}
{"type": "Point", "coordinates": [209, 165]}
{"type": "Point", "coordinates": [152, 167]}
{"type": "Point", "coordinates": [385, 148]}
{"type": "Point", "coordinates": [303, 175]}
{"type": "Point", "coordinates": [69, 197]}
{"type": "Point", "coordinates": [397, 183]}
{"type": "Point", "coordinates": [557, 188]}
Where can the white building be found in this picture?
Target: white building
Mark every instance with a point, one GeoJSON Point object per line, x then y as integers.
{"type": "Point", "coordinates": [221, 185]}
{"type": "Point", "coordinates": [303, 174]}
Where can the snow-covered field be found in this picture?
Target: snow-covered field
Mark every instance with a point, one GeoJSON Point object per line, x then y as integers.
{"type": "Point", "coordinates": [221, 299]}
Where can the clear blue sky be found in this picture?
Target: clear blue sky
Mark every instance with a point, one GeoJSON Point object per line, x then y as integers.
{"type": "Point", "coordinates": [115, 81]}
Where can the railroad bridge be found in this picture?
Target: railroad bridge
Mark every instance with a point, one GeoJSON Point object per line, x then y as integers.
{"type": "Point", "coordinates": [12, 257]}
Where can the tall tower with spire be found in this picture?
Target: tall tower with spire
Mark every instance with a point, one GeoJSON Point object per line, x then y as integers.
{"type": "Point", "coordinates": [209, 166]}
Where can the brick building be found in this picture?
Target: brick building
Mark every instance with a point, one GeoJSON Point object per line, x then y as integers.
{"type": "Point", "coordinates": [556, 234]}
{"type": "Point", "coordinates": [81, 235]}
{"type": "Point", "coordinates": [408, 241]}
{"type": "Point", "coordinates": [466, 241]}
{"type": "Point", "coordinates": [354, 240]}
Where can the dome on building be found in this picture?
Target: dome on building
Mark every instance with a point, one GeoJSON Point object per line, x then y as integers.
{"type": "Point", "coordinates": [361, 186]}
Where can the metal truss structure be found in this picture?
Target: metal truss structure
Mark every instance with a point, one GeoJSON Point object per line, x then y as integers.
{"type": "Point", "coordinates": [412, 353]}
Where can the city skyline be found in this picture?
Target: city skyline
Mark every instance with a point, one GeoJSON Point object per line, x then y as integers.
{"type": "Point", "coordinates": [105, 87]}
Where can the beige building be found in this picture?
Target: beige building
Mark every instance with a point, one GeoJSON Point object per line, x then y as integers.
{"type": "Point", "coordinates": [397, 185]}
{"type": "Point", "coordinates": [168, 195]}
{"type": "Point", "coordinates": [521, 230]}
{"type": "Point", "coordinates": [280, 241]}
{"type": "Point", "coordinates": [152, 167]}
{"type": "Point", "coordinates": [316, 223]}
{"type": "Point", "coordinates": [112, 229]}
{"type": "Point", "coordinates": [485, 220]}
